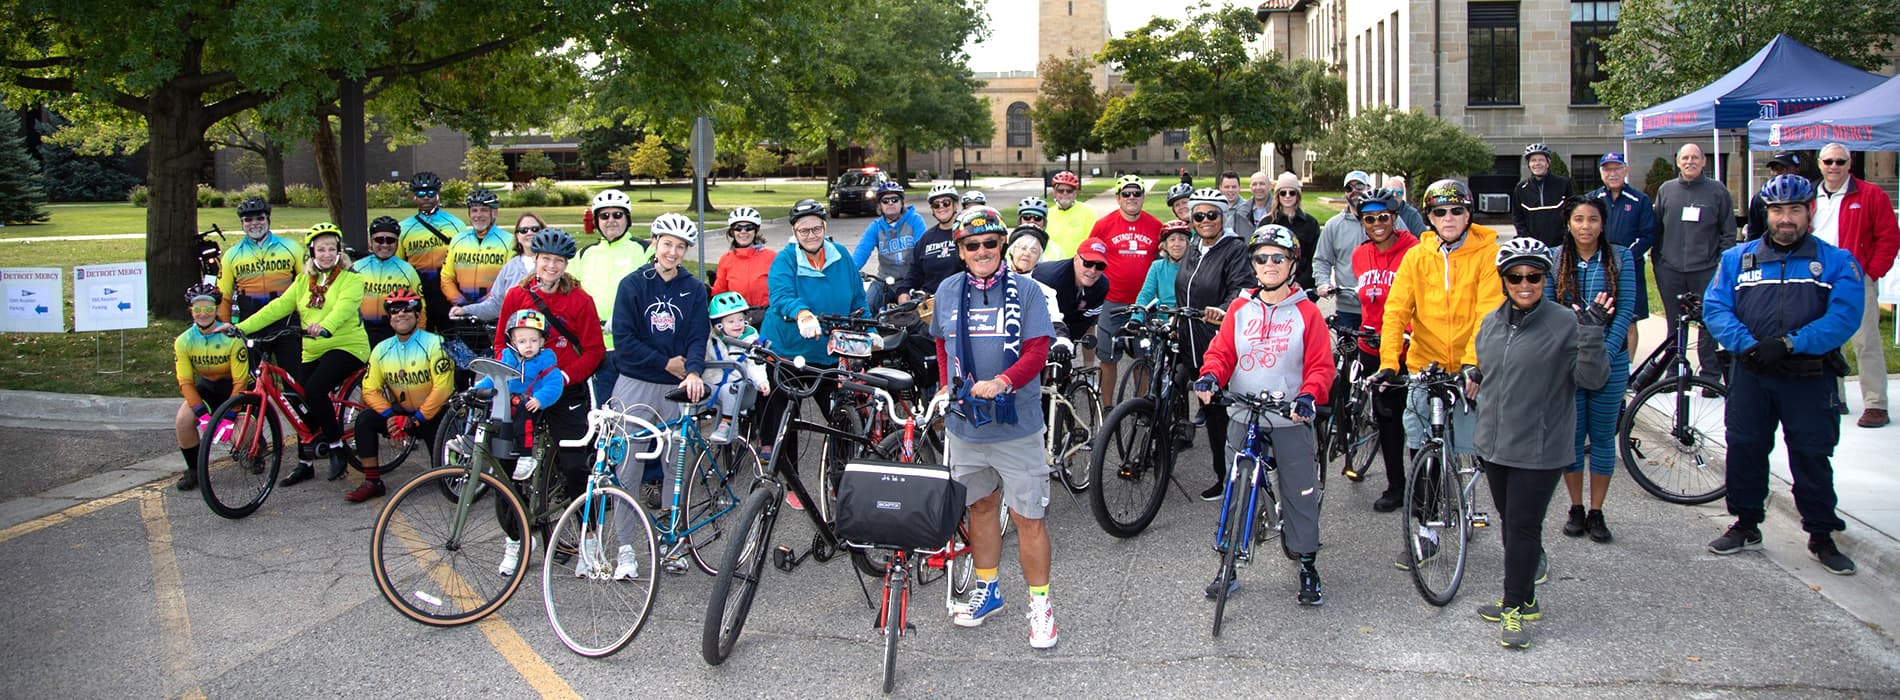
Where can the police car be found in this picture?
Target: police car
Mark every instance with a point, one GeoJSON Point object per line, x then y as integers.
{"type": "Point", "coordinates": [855, 192]}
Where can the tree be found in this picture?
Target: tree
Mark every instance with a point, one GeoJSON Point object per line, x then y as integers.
{"type": "Point", "coordinates": [1066, 108]}
{"type": "Point", "coordinates": [1663, 49]}
{"type": "Point", "coordinates": [535, 164]}
{"type": "Point", "coordinates": [1301, 99]}
{"type": "Point", "coordinates": [484, 164]}
{"type": "Point", "coordinates": [761, 162]}
{"type": "Point", "coordinates": [622, 160]}
{"type": "Point", "coordinates": [650, 160]}
{"type": "Point", "coordinates": [1200, 75]}
{"type": "Point", "coordinates": [70, 175]}
{"type": "Point", "coordinates": [242, 132]}
{"type": "Point", "coordinates": [1411, 143]}
{"type": "Point", "coordinates": [599, 147]}
{"type": "Point", "coordinates": [22, 200]}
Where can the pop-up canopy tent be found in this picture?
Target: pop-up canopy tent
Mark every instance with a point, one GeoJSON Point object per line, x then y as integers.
{"type": "Point", "coordinates": [1869, 121]}
{"type": "Point", "coordinates": [1783, 78]}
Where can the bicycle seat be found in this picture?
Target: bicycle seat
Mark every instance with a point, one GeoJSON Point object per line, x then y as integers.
{"type": "Point", "coordinates": [678, 395]}
{"type": "Point", "coordinates": [890, 380]}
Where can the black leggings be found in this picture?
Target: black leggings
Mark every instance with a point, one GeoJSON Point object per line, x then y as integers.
{"type": "Point", "coordinates": [780, 401]}
{"type": "Point", "coordinates": [1522, 497]}
{"type": "Point", "coordinates": [318, 379]}
{"type": "Point", "coordinates": [371, 427]}
{"type": "Point", "coordinates": [1388, 412]}
{"type": "Point", "coordinates": [567, 420]}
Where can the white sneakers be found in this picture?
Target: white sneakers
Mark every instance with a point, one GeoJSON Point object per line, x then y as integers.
{"type": "Point", "coordinates": [629, 566]}
{"type": "Point", "coordinates": [590, 562]}
{"type": "Point", "coordinates": [511, 555]}
{"type": "Point", "coordinates": [1042, 623]}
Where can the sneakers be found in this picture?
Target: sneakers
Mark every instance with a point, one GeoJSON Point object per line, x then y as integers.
{"type": "Point", "coordinates": [983, 601]}
{"type": "Point", "coordinates": [1529, 612]}
{"type": "Point", "coordinates": [1542, 574]}
{"type": "Point", "coordinates": [1822, 548]}
{"type": "Point", "coordinates": [1042, 622]}
{"type": "Point", "coordinates": [1575, 525]}
{"type": "Point", "coordinates": [511, 555]}
{"type": "Point", "coordinates": [524, 468]}
{"type": "Point", "coordinates": [1388, 501]}
{"type": "Point", "coordinates": [461, 446]}
{"type": "Point", "coordinates": [1309, 587]}
{"type": "Point", "coordinates": [722, 434]}
{"type": "Point", "coordinates": [792, 502]}
{"type": "Point", "coordinates": [339, 461]}
{"type": "Point", "coordinates": [371, 488]}
{"type": "Point", "coordinates": [650, 494]}
{"type": "Point", "coordinates": [1213, 587]}
{"type": "Point", "coordinates": [628, 567]}
{"type": "Point", "coordinates": [188, 480]}
{"type": "Point", "coordinates": [590, 562]}
{"type": "Point", "coordinates": [1738, 538]}
{"type": "Point", "coordinates": [301, 474]}
{"type": "Point", "coordinates": [1511, 632]}
{"type": "Point", "coordinates": [1593, 524]}
{"type": "Point", "coordinates": [1213, 492]}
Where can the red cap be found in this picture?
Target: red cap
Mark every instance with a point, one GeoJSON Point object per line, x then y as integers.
{"type": "Point", "coordinates": [1093, 250]}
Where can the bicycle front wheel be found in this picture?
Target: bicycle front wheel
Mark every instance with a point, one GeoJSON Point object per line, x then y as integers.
{"type": "Point", "coordinates": [837, 452]}
{"type": "Point", "coordinates": [436, 572]}
{"type": "Point", "coordinates": [1435, 529]}
{"type": "Point", "coordinates": [739, 576]}
{"type": "Point", "coordinates": [1075, 435]}
{"type": "Point", "coordinates": [1136, 380]}
{"type": "Point", "coordinates": [1673, 438]}
{"type": "Point", "coordinates": [237, 474]}
{"type": "Point", "coordinates": [1362, 441]}
{"type": "Point", "coordinates": [598, 599]}
{"type": "Point", "coordinates": [1130, 479]}
{"type": "Point", "coordinates": [893, 627]}
{"type": "Point", "coordinates": [459, 422]}
{"type": "Point", "coordinates": [1233, 539]}
{"type": "Point", "coordinates": [717, 484]}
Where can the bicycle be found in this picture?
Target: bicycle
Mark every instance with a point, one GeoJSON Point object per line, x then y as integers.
{"type": "Point", "coordinates": [236, 488]}
{"type": "Point", "coordinates": [859, 343]}
{"type": "Point", "coordinates": [1439, 513]}
{"type": "Point", "coordinates": [1347, 428]}
{"type": "Point", "coordinates": [435, 559]}
{"type": "Point", "coordinates": [459, 421]}
{"type": "Point", "coordinates": [1249, 509]}
{"type": "Point", "coordinates": [1133, 454]}
{"type": "Point", "coordinates": [1072, 414]}
{"type": "Point", "coordinates": [1682, 417]}
{"type": "Point", "coordinates": [210, 253]}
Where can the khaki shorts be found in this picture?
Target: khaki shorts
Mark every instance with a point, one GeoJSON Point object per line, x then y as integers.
{"type": "Point", "coordinates": [1016, 466]}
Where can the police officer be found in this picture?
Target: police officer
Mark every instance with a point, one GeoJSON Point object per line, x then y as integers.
{"type": "Point", "coordinates": [1784, 304]}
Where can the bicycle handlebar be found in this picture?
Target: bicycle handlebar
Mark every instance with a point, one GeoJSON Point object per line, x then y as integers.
{"type": "Point", "coordinates": [1263, 402]}
{"type": "Point", "coordinates": [599, 416]}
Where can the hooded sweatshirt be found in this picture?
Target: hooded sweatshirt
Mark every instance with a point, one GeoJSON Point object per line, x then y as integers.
{"type": "Point", "coordinates": [1440, 293]}
{"type": "Point", "coordinates": [1276, 347]}
{"type": "Point", "coordinates": [1376, 269]}
{"type": "Point", "coordinates": [892, 241]}
{"type": "Point", "coordinates": [744, 270]}
{"type": "Point", "coordinates": [656, 320]}
{"type": "Point", "coordinates": [1529, 359]}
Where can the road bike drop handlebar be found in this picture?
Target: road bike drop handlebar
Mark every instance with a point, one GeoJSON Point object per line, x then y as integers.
{"type": "Point", "coordinates": [233, 331]}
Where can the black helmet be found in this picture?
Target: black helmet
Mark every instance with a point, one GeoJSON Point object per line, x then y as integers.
{"type": "Point", "coordinates": [553, 241]}
{"type": "Point", "coordinates": [253, 205]}
{"type": "Point", "coordinates": [203, 289]}
{"type": "Point", "coordinates": [806, 207]}
{"type": "Point", "coordinates": [481, 197]}
{"type": "Point", "coordinates": [385, 224]}
{"type": "Point", "coordinates": [425, 180]}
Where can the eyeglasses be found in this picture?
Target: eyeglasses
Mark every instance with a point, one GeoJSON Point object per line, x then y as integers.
{"type": "Point", "coordinates": [809, 230]}
{"type": "Point", "coordinates": [986, 244]}
{"type": "Point", "coordinates": [611, 215]}
{"type": "Point", "coordinates": [1448, 211]}
{"type": "Point", "coordinates": [1129, 195]}
{"type": "Point", "coordinates": [1833, 161]}
{"type": "Point", "coordinates": [383, 240]}
{"type": "Point", "coordinates": [1378, 218]}
{"type": "Point", "coordinates": [1031, 217]}
{"type": "Point", "coordinates": [209, 308]}
{"type": "Point", "coordinates": [1206, 215]}
{"type": "Point", "coordinates": [254, 217]}
{"type": "Point", "coordinates": [742, 227]}
{"type": "Point", "coordinates": [1095, 265]}
{"type": "Point", "coordinates": [528, 229]}
{"type": "Point", "coordinates": [1065, 190]}
{"type": "Point", "coordinates": [943, 204]}
{"type": "Point", "coordinates": [1275, 258]}
{"type": "Point", "coordinates": [424, 193]}
{"type": "Point", "coordinates": [890, 200]}
{"type": "Point", "coordinates": [1289, 193]}
{"type": "Point", "coordinates": [1532, 278]}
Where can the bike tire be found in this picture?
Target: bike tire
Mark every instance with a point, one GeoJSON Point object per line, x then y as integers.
{"type": "Point", "coordinates": [1688, 468]}
{"type": "Point", "coordinates": [836, 453]}
{"type": "Point", "coordinates": [893, 607]}
{"type": "Point", "coordinates": [1077, 440]}
{"type": "Point", "coordinates": [594, 613]}
{"type": "Point", "coordinates": [426, 572]}
{"type": "Point", "coordinates": [714, 490]}
{"type": "Point", "coordinates": [739, 575]}
{"type": "Point", "coordinates": [1139, 377]}
{"type": "Point", "coordinates": [1233, 540]}
{"type": "Point", "coordinates": [1362, 443]}
{"type": "Point", "coordinates": [348, 400]}
{"type": "Point", "coordinates": [1130, 480]}
{"type": "Point", "coordinates": [1434, 499]}
{"type": "Point", "coordinates": [234, 488]}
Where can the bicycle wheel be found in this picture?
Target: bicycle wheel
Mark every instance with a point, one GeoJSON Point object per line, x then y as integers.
{"type": "Point", "coordinates": [837, 452]}
{"type": "Point", "coordinates": [1130, 477]}
{"type": "Point", "coordinates": [434, 573]}
{"type": "Point", "coordinates": [1076, 435]}
{"type": "Point", "coordinates": [236, 475]}
{"type": "Point", "coordinates": [1233, 540]}
{"type": "Point", "coordinates": [891, 623]}
{"type": "Point", "coordinates": [1674, 441]}
{"type": "Point", "coordinates": [592, 610]}
{"type": "Point", "coordinates": [348, 399]}
{"type": "Point", "coordinates": [739, 575]}
{"type": "Point", "coordinates": [1362, 443]}
{"type": "Point", "coordinates": [1434, 528]}
{"type": "Point", "coordinates": [714, 489]}
{"type": "Point", "coordinates": [1137, 379]}
{"type": "Point", "coordinates": [459, 422]}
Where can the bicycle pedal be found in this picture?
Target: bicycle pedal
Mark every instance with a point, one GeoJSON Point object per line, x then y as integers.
{"type": "Point", "coordinates": [1480, 520]}
{"type": "Point", "coordinates": [783, 559]}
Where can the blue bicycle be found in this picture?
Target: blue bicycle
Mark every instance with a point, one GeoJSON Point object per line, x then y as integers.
{"type": "Point", "coordinates": [1249, 509]}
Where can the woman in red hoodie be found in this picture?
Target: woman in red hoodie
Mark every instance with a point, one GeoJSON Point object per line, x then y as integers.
{"type": "Point", "coordinates": [573, 336]}
{"type": "Point", "coordinates": [1377, 262]}
{"type": "Point", "coordinates": [743, 269]}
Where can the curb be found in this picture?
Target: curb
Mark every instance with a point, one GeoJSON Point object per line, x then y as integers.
{"type": "Point", "coordinates": [1874, 552]}
{"type": "Point", "coordinates": [38, 409]}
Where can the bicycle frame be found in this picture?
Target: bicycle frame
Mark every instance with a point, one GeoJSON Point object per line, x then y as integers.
{"type": "Point", "coordinates": [1264, 464]}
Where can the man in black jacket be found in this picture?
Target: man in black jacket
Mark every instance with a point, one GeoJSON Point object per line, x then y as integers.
{"type": "Point", "coordinates": [1537, 202]}
{"type": "Point", "coordinates": [1783, 162]}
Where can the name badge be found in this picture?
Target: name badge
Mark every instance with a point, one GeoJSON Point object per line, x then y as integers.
{"type": "Point", "coordinates": [1692, 213]}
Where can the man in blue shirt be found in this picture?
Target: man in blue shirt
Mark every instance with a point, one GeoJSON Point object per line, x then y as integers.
{"type": "Point", "coordinates": [1630, 222]}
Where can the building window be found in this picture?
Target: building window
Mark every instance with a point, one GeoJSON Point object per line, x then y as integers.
{"type": "Point", "coordinates": [1359, 72]}
{"type": "Point", "coordinates": [1493, 36]}
{"type": "Point", "coordinates": [1016, 124]}
{"type": "Point", "coordinates": [1174, 137]}
{"type": "Point", "coordinates": [1504, 165]}
{"type": "Point", "coordinates": [1583, 173]}
{"type": "Point", "coordinates": [1591, 23]}
{"type": "Point", "coordinates": [1019, 156]}
{"type": "Point", "coordinates": [1381, 92]}
{"type": "Point", "coordinates": [1395, 59]}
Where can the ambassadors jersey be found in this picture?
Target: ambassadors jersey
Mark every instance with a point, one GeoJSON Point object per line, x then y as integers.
{"type": "Point", "coordinates": [214, 358]}
{"type": "Point", "coordinates": [255, 272]}
{"type": "Point", "coordinates": [472, 262]}
{"type": "Point", "coordinates": [424, 250]}
{"type": "Point", "coordinates": [409, 375]}
{"type": "Point", "coordinates": [380, 277]}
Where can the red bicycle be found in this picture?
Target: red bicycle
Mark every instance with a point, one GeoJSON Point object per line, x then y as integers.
{"type": "Point", "coordinates": [241, 454]}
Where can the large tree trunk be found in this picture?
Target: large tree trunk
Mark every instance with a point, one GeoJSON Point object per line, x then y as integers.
{"type": "Point", "coordinates": [831, 161]}
{"type": "Point", "coordinates": [329, 167]}
{"type": "Point", "coordinates": [274, 172]}
{"type": "Point", "coordinates": [175, 129]}
{"type": "Point", "coordinates": [1286, 157]}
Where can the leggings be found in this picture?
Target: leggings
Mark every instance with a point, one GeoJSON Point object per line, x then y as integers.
{"type": "Point", "coordinates": [1388, 411]}
{"type": "Point", "coordinates": [567, 420]}
{"type": "Point", "coordinates": [1597, 414]}
{"type": "Point", "coordinates": [1522, 497]}
{"type": "Point", "coordinates": [318, 379]}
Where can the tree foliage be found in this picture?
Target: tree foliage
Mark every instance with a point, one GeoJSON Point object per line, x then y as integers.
{"type": "Point", "coordinates": [650, 159]}
{"type": "Point", "coordinates": [72, 175]}
{"type": "Point", "coordinates": [1200, 74]}
{"type": "Point", "coordinates": [22, 200]}
{"type": "Point", "coordinates": [1302, 98]}
{"type": "Point", "coordinates": [535, 164]}
{"type": "Point", "coordinates": [761, 162]}
{"type": "Point", "coordinates": [1067, 107]}
{"type": "Point", "coordinates": [1664, 49]}
{"type": "Point", "coordinates": [484, 164]}
{"type": "Point", "coordinates": [1411, 143]}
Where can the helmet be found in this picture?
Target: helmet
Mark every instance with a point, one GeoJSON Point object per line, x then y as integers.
{"type": "Point", "coordinates": [941, 191]}
{"type": "Point", "coordinates": [1389, 199]}
{"type": "Point", "coordinates": [1122, 183]}
{"type": "Point", "coordinates": [1445, 192]}
{"type": "Point", "coordinates": [976, 221]}
{"type": "Point", "coordinates": [203, 289]}
{"type": "Point", "coordinates": [253, 205]}
{"type": "Point", "coordinates": [677, 226]}
{"type": "Point", "coordinates": [1787, 188]}
{"type": "Point", "coordinates": [1032, 205]}
{"type": "Point", "coordinates": [744, 215]}
{"type": "Point", "coordinates": [804, 208]}
{"type": "Point", "coordinates": [1274, 235]}
{"type": "Point", "coordinates": [1028, 231]}
{"type": "Point", "coordinates": [552, 241]}
{"type": "Point", "coordinates": [319, 230]}
{"type": "Point", "coordinates": [1537, 149]}
{"type": "Point", "coordinates": [1523, 251]}
{"type": "Point", "coordinates": [527, 318]}
{"type": "Point", "coordinates": [385, 224]}
{"type": "Point", "coordinates": [425, 181]}
{"type": "Point", "coordinates": [611, 199]}
{"type": "Point", "coordinates": [1358, 176]}
{"type": "Point", "coordinates": [481, 197]}
{"type": "Point", "coordinates": [402, 299]}
{"type": "Point", "coordinates": [1066, 178]}
{"type": "Point", "coordinates": [975, 197]}
{"type": "Point", "coordinates": [1179, 192]}
{"type": "Point", "coordinates": [726, 304]}
{"type": "Point", "coordinates": [1208, 196]}
{"type": "Point", "coordinates": [884, 188]}
{"type": "Point", "coordinates": [1176, 226]}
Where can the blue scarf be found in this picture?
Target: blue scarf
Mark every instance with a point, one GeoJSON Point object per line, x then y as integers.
{"type": "Point", "coordinates": [1002, 408]}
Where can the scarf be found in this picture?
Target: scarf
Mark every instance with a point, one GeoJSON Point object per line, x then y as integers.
{"type": "Point", "coordinates": [1002, 408]}
{"type": "Point", "coordinates": [320, 285]}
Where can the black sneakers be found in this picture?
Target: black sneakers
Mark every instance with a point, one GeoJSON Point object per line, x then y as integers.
{"type": "Point", "coordinates": [1388, 501]}
{"type": "Point", "coordinates": [1822, 548]}
{"type": "Point", "coordinates": [1737, 538]}
{"type": "Point", "coordinates": [1574, 526]}
{"type": "Point", "coordinates": [1309, 585]}
{"type": "Point", "coordinates": [1593, 524]}
{"type": "Point", "coordinates": [1213, 492]}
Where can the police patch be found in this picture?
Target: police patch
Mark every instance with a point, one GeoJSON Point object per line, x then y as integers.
{"type": "Point", "coordinates": [1814, 268]}
{"type": "Point", "coordinates": [443, 365]}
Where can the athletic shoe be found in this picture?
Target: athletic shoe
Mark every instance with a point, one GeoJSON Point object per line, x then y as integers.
{"type": "Point", "coordinates": [629, 566]}
{"type": "Point", "coordinates": [722, 434]}
{"type": "Point", "coordinates": [1542, 574]}
{"type": "Point", "coordinates": [792, 502]}
{"type": "Point", "coordinates": [524, 467]}
{"type": "Point", "coordinates": [339, 461]}
{"type": "Point", "coordinates": [371, 488]}
{"type": "Point", "coordinates": [1574, 527]}
{"type": "Point", "coordinates": [1042, 622]}
{"type": "Point", "coordinates": [650, 494]}
{"type": "Point", "coordinates": [1309, 587]}
{"type": "Point", "coordinates": [1530, 611]}
{"type": "Point", "coordinates": [1511, 632]}
{"type": "Point", "coordinates": [511, 555]}
{"type": "Point", "coordinates": [301, 474]}
{"type": "Point", "coordinates": [1593, 523]}
{"type": "Point", "coordinates": [187, 480]}
{"type": "Point", "coordinates": [1213, 492]}
{"type": "Point", "coordinates": [1213, 587]}
{"type": "Point", "coordinates": [1738, 538]}
{"type": "Point", "coordinates": [590, 562]}
{"type": "Point", "coordinates": [983, 601]}
{"type": "Point", "coordinates": [1822, 549]}
{"type": "Point", "coordinates": [1388, 501]}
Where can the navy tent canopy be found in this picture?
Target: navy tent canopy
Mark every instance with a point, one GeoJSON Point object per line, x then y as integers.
{"type": "Point", "coordinates": [1869, 121]}
{"type": "Point", "coordinates": [1782, 79]}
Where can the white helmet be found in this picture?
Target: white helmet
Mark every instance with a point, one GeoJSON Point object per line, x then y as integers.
{"type": "Point", "coordinates": [1209, 196]}
{"type": "Point", "coordinates": [746, 215]}
{"type": "Point", "coordinates": [675, 225]}
{"type": "Point", "coordinates": [942, 191]}
{"type": "Point", "coordinates": [611, 199]}
{"type": "Point", "coordinates": [975, 197]}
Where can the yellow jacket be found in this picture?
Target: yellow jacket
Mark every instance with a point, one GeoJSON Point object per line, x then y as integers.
{"type": "Point", "coordinates": [338, 315]}
{"type": "Point", "coordinates": [1440, 296]}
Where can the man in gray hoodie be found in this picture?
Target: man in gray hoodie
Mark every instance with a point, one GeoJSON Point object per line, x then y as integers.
{"type": "Point", "coordinates": [1696, 216]}
{"type": "Point", "coordinates": [1332, 263]}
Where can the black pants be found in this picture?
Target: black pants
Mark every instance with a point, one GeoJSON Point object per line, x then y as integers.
{"type": "Point", "coordinates": [567, 420]}
{"type": "Point", "coordinates": [371, 427]}
{"type": "Point", "coordinates": [1806, 410]}
{"type": "Point", "coordinates": [434, 305]}
{"type": "Point", "coordinates": [1672, 284]}
{"type": "Point", "coordinates": [318, 379]}
{"type": "Point", "coordinates": [1522, 497]}
{"type": "Point", "coordinates": [1388, 412]}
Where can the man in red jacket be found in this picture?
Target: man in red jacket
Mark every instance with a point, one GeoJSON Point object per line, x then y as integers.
{"type": "Point", "coordinates": [1857, 216]}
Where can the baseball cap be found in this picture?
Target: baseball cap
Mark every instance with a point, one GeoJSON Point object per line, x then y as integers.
{"type": "Point", "coordinates": [1612, 157]}
{"type": "Point", "coordinates": [1093, 250]}
{"type": "Point", "coordinates": [1789, 159]}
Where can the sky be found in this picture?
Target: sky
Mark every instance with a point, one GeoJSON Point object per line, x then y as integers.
{"type": "Point", "coordinates": [1011, 45]}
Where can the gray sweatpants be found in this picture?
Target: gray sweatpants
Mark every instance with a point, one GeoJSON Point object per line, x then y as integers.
{"type": "Point", "coordinates": [1293, 452]}
{"type": "Point", "coordinates": [629, 393]}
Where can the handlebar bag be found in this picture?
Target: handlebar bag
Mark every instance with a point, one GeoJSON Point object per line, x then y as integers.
{"type": "Point", "coordinates": [898, 505]}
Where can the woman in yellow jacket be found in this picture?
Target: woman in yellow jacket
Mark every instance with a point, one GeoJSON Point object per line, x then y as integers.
{"type": "Point", "coordinates": [325, 298]}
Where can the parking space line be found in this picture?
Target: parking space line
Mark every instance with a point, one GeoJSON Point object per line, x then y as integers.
{"type": "Point", "coordinates": [76, 511]}
{"type": "Point", "coordinates": [168, 585]}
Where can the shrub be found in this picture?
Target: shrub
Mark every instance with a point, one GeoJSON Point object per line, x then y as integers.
{"type": "Point", "coordinates": [305, 196]}
{"type": "Point", "coordinates": [574, 195]}
{"type": "Point", "coordinates": [389, 194]}
{"type": "Point", "coordinates": [256, 189]}
{"type": "Point", "coordinates": [454, 194]}
{"type": "Point", "coordinates": [139, 196]}
{"type": "Point", "coordinates": [529, 197]}
{"type": "Point", "coordinates": [209, 198]}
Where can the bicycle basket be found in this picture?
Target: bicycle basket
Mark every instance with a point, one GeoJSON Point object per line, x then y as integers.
{"type": "Point", "coordinates": [898, 505]}
{"type": "Point", "coordinates": [849, 343]}
{"type": "Point", "coordinates": [459, 352]}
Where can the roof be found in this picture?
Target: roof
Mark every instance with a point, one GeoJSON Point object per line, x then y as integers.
{"type": "Point", "coordinates": [1271, 6]}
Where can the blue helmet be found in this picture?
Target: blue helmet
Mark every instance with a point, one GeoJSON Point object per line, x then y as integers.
{"type": "Point", "coordinates": [884, 188]}
{"type": "Point", "coordinates": [1787, 188]}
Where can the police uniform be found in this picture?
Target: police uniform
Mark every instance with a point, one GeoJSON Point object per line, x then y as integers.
{"type": "Point", "coordinates": [1811, 294]}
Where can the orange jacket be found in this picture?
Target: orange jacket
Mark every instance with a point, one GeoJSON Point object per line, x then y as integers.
{"type": "Point", "coordinates": [1441, 296]}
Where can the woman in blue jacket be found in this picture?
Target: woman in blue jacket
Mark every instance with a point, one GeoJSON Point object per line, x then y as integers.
{"type": "Point", "coordinates": [1588, 265]}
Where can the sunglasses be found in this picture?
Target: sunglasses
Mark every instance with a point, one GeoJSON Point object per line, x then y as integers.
{"type": "Point", "coordinates": [1095, 265]}
{"type": "Point", "coordinates": [1289, 193]}
{"type": "Point", "coordinates": [1275, 258]}
{"type": "Point", "coordinates": [425, 193]}
{"type": "Point", "coordinates": [611, 215]}
{"type": "Point", "coordinates": [1379, 218]}
{"type": "Point", "coordinates": [989, 244]}
{"type": "Point", "coordinates": [890, 200]}
{"type": "Point", "coordinates": [254, 217]}
{"type": "Point", "coordinates": [742, 227]}
{"type": "Point", "coordinates": [1031, 217]}
{"type": "Point", "coordinates": [1449, 211]}
{"type": "Point", "coordinates": [1206, 216]}
{"type": "Point", "coordinates": [1532, 278]}
{"type": "Point", "coordinates": [1129, 195]}
{"type": "Point", "coordinates": [528, 229]}
{"type": "Point", "coordinates": [383, 240]}
{"type": "Point", "coordinates": [195, 308]}
{"type": "Point", "coordinates": [942, 204]}
{"type": "Point", "coordinates": [1065, 190]}
{"type": "Point", "coordinates": [1833, 161]}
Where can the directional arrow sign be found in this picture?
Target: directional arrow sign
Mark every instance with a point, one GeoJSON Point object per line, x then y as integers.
{"type": "Point", "coordinates": [32, 296]}
{"type": "Point", "coordinates": [109, 297]}
{"type": "Point", "coordinates": [40, 310]}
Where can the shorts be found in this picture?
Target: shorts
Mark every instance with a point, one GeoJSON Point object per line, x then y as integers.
{"type": "Point", "coordinates": [1109, 326]}
{"type": "Point", "coordinates": [214, 392]}
{"type": "Point", "coordinates": [1418, 423]}
{"type": "Point", "coordinates": [1016, 466]}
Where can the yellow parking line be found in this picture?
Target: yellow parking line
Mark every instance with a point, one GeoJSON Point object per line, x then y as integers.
{"type": "Point", "coordinates": [169, 586]}
{"type": "Point", "coordinates": [77, 511]}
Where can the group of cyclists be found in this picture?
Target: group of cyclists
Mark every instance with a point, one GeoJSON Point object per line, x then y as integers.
{"type": "Point", "coordinates": [1536, 332]}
